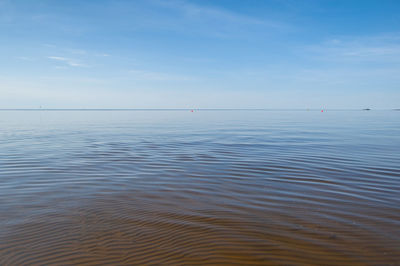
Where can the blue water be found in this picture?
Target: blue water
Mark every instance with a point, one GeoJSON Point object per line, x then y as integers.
{"type": "Point", "coordinates": [181, 187]}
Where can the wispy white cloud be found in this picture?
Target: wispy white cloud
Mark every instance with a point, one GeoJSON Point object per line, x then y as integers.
{"type": "Point", "coordinates": [189, 18]}
{"type": "Point", "coordinates": [221, 22]}
{"type": "Point", "coordinates": [59, 58]}
{"type": "Point", "coordinates": [192, 11]}
{"type": "Point", "coordinates": [102, 55]}
{"type": "Point", "coordinates": [68, 61]}
{"type": "Point", "coordinates": [378, 49]}
{"type": "Point", "coordinates": [73, 56]}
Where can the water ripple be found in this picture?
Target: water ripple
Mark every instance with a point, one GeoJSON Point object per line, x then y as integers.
{"type": "Point", "coordinates": [254, 190]}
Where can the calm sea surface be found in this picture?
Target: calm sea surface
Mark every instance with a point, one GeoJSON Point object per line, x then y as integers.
{"type": "Point", "coordinates": [218, 187]}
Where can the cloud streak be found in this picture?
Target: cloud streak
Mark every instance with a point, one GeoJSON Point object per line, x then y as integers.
{"type": "Point", "coordinates": [378, 49]}
{"type": "Point", "coordinates": [196, 12]}
{"type": "Point", "coordinates": [188, 18]}
{"type": "Point", "coordinates": [68, 61]}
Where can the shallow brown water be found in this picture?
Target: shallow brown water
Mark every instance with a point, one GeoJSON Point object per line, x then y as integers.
{"type": "Point", "coordinates": [209, 187]}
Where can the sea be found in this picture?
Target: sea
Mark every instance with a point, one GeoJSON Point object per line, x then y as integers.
{"type": "Point", "coordinates": [198, 187]}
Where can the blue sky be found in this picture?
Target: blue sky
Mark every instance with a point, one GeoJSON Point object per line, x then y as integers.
{"type": "Point", "coordinates": [199, 54]}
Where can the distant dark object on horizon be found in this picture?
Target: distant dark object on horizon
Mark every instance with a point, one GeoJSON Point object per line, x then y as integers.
{"type": "Point", "coordinates": [398, 109]}
{"type": "Point", "coordinates": [366, 109]}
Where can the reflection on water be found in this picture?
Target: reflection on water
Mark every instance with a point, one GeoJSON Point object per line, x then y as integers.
{"type": "Point", "coordinates": [218, 187]}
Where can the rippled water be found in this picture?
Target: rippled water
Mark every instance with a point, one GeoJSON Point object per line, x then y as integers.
{"type": "Point", "coordinates": [218, 187]}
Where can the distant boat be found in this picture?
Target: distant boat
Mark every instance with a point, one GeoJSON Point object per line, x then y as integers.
{"type": "Point", "coordinates": [366, 109]}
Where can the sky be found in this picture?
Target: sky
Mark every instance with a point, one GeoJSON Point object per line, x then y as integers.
{"type": "Point", "coordinates": [200, 54]}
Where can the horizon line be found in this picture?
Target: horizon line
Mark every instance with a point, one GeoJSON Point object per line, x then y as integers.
{"type": "Point", "coordinates": [197, 109]}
